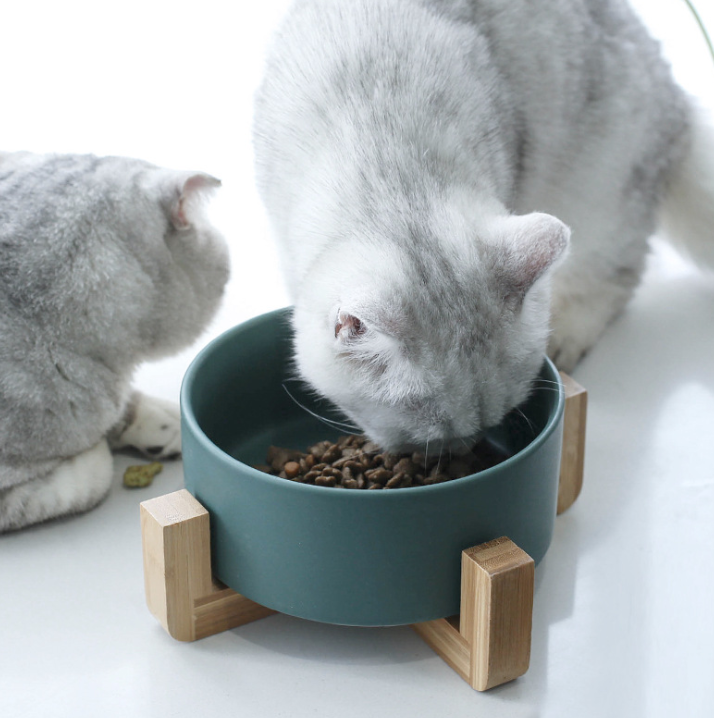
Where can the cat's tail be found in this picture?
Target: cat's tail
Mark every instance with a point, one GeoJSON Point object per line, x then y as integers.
{"type": "Point", "coordinates": [687, 213]}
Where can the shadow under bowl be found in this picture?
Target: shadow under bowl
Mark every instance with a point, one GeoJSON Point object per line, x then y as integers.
{"type": "Point", "coordinates": [347, 556]}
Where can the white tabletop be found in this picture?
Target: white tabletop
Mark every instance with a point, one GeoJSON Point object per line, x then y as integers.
{"type": "Point", "coordinates": [623, 622]}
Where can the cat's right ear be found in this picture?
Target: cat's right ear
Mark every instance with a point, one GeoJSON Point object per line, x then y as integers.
{"type": "Point", "coordinates": [190, 190]}
{"type": "Point", "coordinates": [529, 245]}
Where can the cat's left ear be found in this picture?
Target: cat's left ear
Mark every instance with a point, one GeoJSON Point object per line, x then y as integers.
{"type": "Point", "coordinates": [529, 245]}
{"type": "Point", "coordinates": [348, 327]}
{"type": "Point", "coordinates": [190, 190]}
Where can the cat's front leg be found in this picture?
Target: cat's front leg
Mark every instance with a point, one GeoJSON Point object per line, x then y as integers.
{"type": "Point", "coordinates": [581, 310]}
{"type": "Point", "coordinates": [150, 425]}
{"type": "Point", "coordinates": [76, 485]}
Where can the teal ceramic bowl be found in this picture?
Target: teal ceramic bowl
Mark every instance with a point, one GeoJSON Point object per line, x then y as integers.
{"type": "Point", "coordinates": [345, 556]}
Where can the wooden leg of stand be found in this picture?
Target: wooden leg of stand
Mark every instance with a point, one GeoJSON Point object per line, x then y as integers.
{"type": "Point", "coordinates": [492, 643]}
{"type": "Point", "coordinates": [180, 590]}
{"type": "Point", "coordinates": [573, 457]}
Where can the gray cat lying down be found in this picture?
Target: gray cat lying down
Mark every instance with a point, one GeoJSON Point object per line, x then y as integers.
{"type": "Point", "coordinates": [424, 163]}
{"type": "Point", "coordinates": [104, 263]}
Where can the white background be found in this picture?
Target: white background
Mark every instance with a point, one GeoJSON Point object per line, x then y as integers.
{"type": "Point", "coordinates": [623, 621]}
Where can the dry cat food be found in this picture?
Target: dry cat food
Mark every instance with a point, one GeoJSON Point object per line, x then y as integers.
{"type": "Point", "coordinates": [354, 462]}
{"type": "Point", "coordinates": [139, 477]}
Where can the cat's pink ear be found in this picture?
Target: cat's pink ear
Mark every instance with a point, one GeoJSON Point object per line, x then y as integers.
{"type": "Point", "coordinates": [191, 190]}
{"type": "Point", "coordinates": [530, 245]}
{"type": "Point", "coordinates": [348, 327]}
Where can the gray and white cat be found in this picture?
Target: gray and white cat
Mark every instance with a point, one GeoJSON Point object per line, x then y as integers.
{"type": "Point", "coordinates": [104, 263]}
{"type": "Point", "coordinates": [424, 163]}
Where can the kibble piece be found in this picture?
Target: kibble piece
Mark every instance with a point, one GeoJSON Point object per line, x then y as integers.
{"type": "Point", "coordinates": [331, 454]}
{"type": "Point", "coordinates": [317, 450]}
{"type": "Point", "coordinates": [291, 469]}
{"type": "Point", "coordinates": [395, 481]}
{"type": "Point", "coordinates": [325, 481]}
{"type": "Point", "coordinates": [367, 460]}
{"type": "Point", "coordinates": [420, 460]}
{"type": "Point", "coordinates": [380, 476]}
{"type": "Point", "coordinates": [405, 465]}
{"type": "Point", "coordinates": [307, 462]}
{"type": "Point", "coordinates": [278, 457]}
{"type": "Point", "coordinates": [139, 477]}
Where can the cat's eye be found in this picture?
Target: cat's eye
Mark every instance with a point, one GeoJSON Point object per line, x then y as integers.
{"type": "Point", "coordinates": [348, 326]}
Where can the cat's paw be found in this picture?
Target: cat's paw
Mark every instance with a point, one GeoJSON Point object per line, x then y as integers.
{"type": "Point", "coordinates": [75, 485]}
{"type": "Point", "coordinates": [578, 321]}
{"type": "Point", "coordinates": [152, 426]}
{"type": "Point", "coordinates": [566, 357]}
{"type": "Point", "coordinates": [570, 341]}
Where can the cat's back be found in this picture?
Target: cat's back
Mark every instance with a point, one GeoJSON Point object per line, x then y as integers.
{"type": "Point", "coordinates": [62, 221]}
{"type": "Point", "coordinates": [558, 66]}
{"type": "Point", "coordinates": [57, 257]}
{"type": "Point", "coordinates": [540, 97]}
{"type": "Point", "coordinates": [104, 262]}
{"type": "Point", "coordinates": [365, 84]}
{"type": "Point", "coordinates": [49, 199]}
{"type": "Point", "coordinates": [567, 51]}
{"type": "Point", "coordinates": [571, 60]}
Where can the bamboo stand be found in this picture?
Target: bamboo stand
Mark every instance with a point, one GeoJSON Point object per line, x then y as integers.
{"type": "Point", "coordinates": [487, 644]}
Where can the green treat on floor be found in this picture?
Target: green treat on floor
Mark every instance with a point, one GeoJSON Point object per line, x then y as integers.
{"type": "Point", "coordinates": [139, 477]}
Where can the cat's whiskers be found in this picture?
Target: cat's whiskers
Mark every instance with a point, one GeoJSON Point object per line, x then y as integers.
{"type": "Point", "coordinates": [438, 461]}
{"type": "Point", "coordinates": [527, 420]}
{"type": "Point", "coordinates": [332, 423]}
{"type": "Point", "coordinates": [552, 384]}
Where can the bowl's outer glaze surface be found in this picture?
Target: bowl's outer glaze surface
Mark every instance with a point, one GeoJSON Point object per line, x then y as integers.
{"type": "Point", "coordinates": [339, 555]}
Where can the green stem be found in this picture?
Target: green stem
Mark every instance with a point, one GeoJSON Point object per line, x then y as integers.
{"type": "Point", "coordinates": [701, 27]}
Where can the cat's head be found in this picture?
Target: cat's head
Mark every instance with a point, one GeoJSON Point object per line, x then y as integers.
{"type": "Point", "coordinates": [425, 343]}
{"type": "Point", "coordinates": [121, 260]}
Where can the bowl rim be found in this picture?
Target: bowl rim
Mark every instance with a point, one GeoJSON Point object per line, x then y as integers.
{"type": "Point", "coordinates": [189, 417]}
